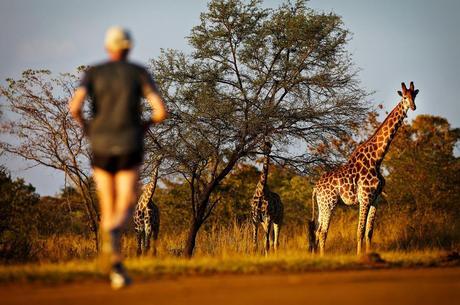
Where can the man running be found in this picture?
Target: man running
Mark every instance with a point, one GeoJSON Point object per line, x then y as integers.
{"type": "Point", "coordinates": [115, 133]}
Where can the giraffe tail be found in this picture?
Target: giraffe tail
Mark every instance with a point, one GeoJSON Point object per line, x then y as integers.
{"type": "Point", "coordinates": [313, 203]}
{"type": "Point", "coordinates": [312, 225]}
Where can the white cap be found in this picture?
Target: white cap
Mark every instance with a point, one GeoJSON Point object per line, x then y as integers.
{"type": "Point", "coordinates": [118, 38]}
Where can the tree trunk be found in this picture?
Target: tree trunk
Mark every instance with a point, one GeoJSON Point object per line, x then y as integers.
{"type": "Point", "coordinates": [93, 221]}
{"type": "Point", "coordinates": [191, 237]}
{"type": "Point", "coordinates": [90, 207]}
{"type": "Point", "coordinates": [203, 210]}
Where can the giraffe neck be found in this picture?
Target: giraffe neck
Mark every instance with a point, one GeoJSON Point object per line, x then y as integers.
{"type": "Point", "coordinates": [262, 184]}
{"type": "Point", "coordinates": [149, 189]}
{"type": "Point", "coordinates": [381, 140]}
{"type": "Point", "coordinates": [154, 177]}
{"type": "Point", "coordinates": [147, 194]}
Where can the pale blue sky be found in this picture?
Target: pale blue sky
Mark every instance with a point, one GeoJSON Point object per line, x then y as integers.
{"type": "Point", "coordinates": [392, 41]}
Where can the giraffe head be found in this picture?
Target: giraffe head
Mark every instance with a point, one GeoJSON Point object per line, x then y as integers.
{"type": "Point", "coordinates": [408, 96]}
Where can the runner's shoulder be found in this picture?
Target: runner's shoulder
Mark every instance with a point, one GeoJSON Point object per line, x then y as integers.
{"type": "Point", "coordinates": [94, 68]}
{"type": "Point", "coordinates": [137, 66]}
{"type": "Point", "coordinates": [107, 68]}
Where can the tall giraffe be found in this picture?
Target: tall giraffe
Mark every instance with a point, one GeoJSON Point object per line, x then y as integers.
{"type": "Point", "coordinates": [147, 215]}
{"type": "Point", "coordinates": [266, 206]}
{"type": "Point", "coordinates": [359, 181]}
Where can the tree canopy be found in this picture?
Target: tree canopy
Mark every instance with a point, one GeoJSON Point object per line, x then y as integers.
{"type": "Point", "coordinates": [17, 216]}
{"type": "Point", "coordinates": [422, 168]}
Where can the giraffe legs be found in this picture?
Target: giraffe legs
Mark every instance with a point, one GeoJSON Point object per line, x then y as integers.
{"type": "Point", "coordinates": [255, 228]}
{"type": "Point", "coordinates": [363, 213]}
{"type": "Point", "coordinates": [268, 228]}
{"type": "Point", "coordinates": [276, 234]}
{"type": "Point", "coordinates": [140, 241]}
{"type": "Point", "coordinates": [324, 220]}
{"type": "Point", "coordinates": [370, 227]}
{"type": "Point", "coordinates": [147, 236]}
{"type": "Point", "coordinates": [143, 241]}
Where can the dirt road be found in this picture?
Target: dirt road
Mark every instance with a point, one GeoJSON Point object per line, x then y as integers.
{"type": "Point", "coordinates": [422, 286]}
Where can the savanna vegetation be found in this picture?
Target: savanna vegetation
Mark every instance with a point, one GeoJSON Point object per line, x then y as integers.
{"type": "Point", "coordinates": [418, 211]}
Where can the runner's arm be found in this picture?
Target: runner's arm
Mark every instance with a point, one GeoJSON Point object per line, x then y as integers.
{"type": "Point", "coordinates": [159, 112]}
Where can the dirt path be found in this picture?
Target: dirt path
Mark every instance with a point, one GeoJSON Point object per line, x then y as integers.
{"type": "Point", "coordinates": [422, 286]}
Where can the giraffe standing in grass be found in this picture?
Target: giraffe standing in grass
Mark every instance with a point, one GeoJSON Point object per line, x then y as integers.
{"type": "Point", "coordinates": [266, 207]}
{"type": "Point", "coordinates": [359, 181]}
{"type": "Point", "coordinates": [147, 215]}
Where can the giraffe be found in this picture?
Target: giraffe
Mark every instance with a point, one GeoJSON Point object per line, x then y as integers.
{"type": "Point", "coordinates": [359, 181]}
{"type": "Point", "coordinates": [266, 207]}
{"type": "Point", "coordinates": [147, 215]}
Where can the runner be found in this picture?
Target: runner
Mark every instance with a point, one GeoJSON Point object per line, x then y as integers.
{"type": "Point", "coordinates": [115, 133]}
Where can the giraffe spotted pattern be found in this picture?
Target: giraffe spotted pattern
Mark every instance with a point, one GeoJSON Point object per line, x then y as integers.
{"type": "Point", "coordinates": [266, 207]}
{"type": "Point", "coordinates": [147, 215]}
{"type": "Point", "coordinates": [359, 181]}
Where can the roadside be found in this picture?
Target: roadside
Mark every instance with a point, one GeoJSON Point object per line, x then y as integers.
{"type": "Point", "coordinates": [386, 286]}
{"type": "Point", "coordinates": [154, 268]}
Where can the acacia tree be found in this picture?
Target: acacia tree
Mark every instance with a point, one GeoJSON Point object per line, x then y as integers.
{"type": "Point", "coordinates": [280, 75]}
{"type": "Point", "coordinates": [41, 130]}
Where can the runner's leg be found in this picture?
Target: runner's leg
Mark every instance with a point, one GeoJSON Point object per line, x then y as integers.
{"type": "Point", "coordinates": [105, 183]}
{"type": "Point", "coordinates": [126, 185]}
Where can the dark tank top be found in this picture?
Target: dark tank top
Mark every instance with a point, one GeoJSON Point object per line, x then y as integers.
{"type": "Point", "coordinates": [115, 89]}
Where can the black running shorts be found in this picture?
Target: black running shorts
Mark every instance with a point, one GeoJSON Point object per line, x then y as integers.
{"type": "Point", "coordinates": [113, 164]}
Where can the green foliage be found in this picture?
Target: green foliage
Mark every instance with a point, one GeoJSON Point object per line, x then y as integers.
{"type": "Point", "coordinates": [172, 200]}
{"type": "Point", "coordinates": [295, 192]}
{"type": "Point", "coordinates": [17, 217]}
{"type": "Point", "coordinates": [235, 195]}
{"type": "Point", "coordinates": [26, 219]}
{"type": "Point", "coordinates": [236, 192]}
{"type": "Point", "coordinates": [62, 215]}
{"type": "Point", "coordinates": [423, 180]}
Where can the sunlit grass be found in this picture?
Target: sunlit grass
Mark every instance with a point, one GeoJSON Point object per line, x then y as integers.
{"type": "Point", "coordinates": [393, 234]}
{"type": "Point", "coordinates": [230, 250]}
{"type": "Point", "coordinates": [283, 262]}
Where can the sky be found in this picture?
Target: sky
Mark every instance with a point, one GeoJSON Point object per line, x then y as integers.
{"type": "Point", "coordinates": [392, 41]}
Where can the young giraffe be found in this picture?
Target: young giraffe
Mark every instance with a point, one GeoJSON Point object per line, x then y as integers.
{"type": "Point", "coordinates": [266, 207]}
{"type": "Point", "coordinates": [147, 215]}
{"type": "Point", "coordinates": [359, 181]}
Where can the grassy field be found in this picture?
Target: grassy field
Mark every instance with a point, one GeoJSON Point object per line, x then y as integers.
{"type": "Point", "coordinates": [220, 250]}
{"type": "Point", "coordinates": [397, 235]}
{"type": "Point", "coordinates": [151, 267]}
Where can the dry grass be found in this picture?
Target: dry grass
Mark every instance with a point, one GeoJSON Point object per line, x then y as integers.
{"type": "Point", "coordinates": [395, 234]}
{"type": "Point", "coordinates": [230, 250]}
{"type": "Point", "coordinates": [150, 267]}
